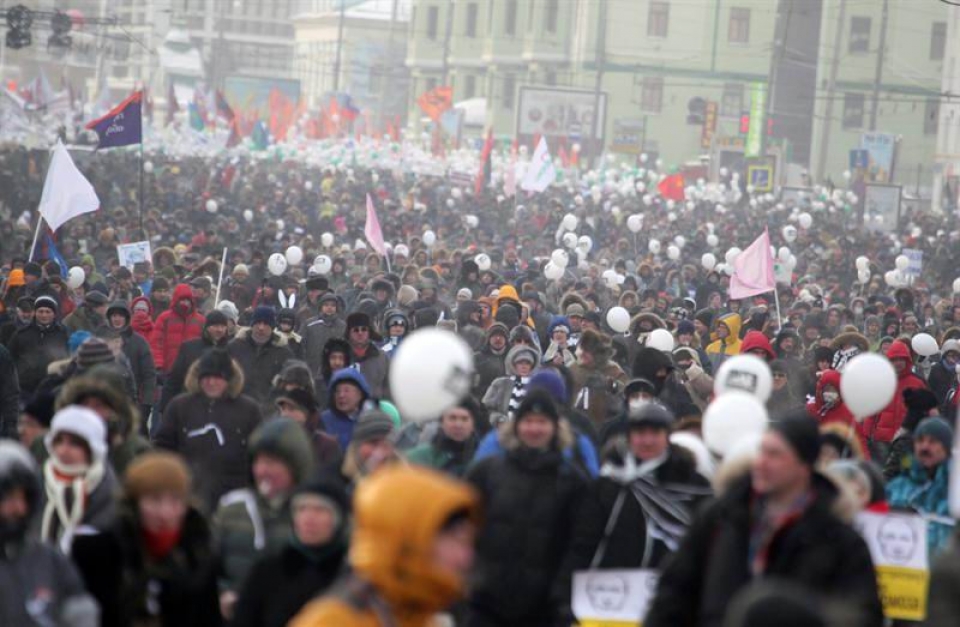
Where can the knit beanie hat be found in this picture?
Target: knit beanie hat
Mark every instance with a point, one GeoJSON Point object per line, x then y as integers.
{"type": "Point", "coordinates": [95, 299]}
{"type": "Point", "coordinates": [801, 433]}
{"type": "Point", "coordinates": [215, 317]}
{"type": "Point", "coordinates": [685, 327]}
{"type": "Point", "coordinates": [84, 424]}
{"type": "Point", "coordinates": [549, 380]}
{"type": "Point", "coordinates": [46, 301]}
{"type": "Point", "coordinates": [215, 363]}
{"type": "Point", "coordinates": [157, 472]}
{"type": "Point", "coordinates": [229, 310]}
{"type": "Point", "coordinates": [76, 340]}
{"type": "Point", "coordinates": [406, 295]}
{"type": "Point", "coordinates": [938, 429]}
{"type": "Point", "coordinates": [264, 314]}
{"type": "Point", "coordinates": [33, 269]}
{"type": "Point", "coordinates": [92, 352]}
{"type": "Point", "coordinates": [372, 424]}
{"type": "Point", "coordinates": [538, 402]}
{"type": "Point", "coordinates": [300, 398]}
{"type": "Point", "coordinates": [41, 407]}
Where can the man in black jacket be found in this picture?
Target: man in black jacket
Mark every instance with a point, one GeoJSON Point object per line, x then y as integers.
{"type": "Point", "coordinates": [35, 346]}
{"type": "Point", "coordinates": [778, 522]}
{"type": "Point", "coordinates": [261, 354]}
{"type": "Point", "coordinates": [138, 353]}
{"type": "Point", "coordinates": [214, 336]}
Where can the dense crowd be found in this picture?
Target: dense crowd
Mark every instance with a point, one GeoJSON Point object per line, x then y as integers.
{"type": "Point", "coordinates": [203, 443]}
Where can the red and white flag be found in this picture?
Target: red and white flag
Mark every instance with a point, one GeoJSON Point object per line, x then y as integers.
{"type": "Point", "coordinates": [753, 270]}
{"type": "Point", "coordinates": [372, 229]}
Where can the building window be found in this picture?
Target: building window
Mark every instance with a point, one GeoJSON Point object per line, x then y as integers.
{"type": "Point", "coordinates": [859, 34]}
{"type": "Point", "coordinates": [651, 95]}
{"type": "Point", "coordinates": [551, 15]}
{"type": "Point", "coordinates": [739, 30]}
{"type": "Point", "coordinates": [550, 78]}
{"type": "Point", "coordinates": [433, 18]}
{"type": "Point", "coordinates": [530, 10]}
{"type": "Point", "coordinates": [731, 102]}
{"type": "Point", "coordinates": [931, 117]}
{"type": "Point", "coordinates": [471, 28]}
{"type": "Point", "coordinates": [853, 106]}
{"type": "Point", "coordinates": [510, 18]}
{"type": "Point", "coordinates": [658, 19]}
{"type": "Point", "coordinates": [469, 86]}
{"type": "Point", "coordinates": [938, 41]}
{"type": "Point", "coordinates": [509, 87]}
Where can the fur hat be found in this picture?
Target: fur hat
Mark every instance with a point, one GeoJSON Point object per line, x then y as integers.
{"type": "Point", "coordinates": [215, 363]}
{"type": "Point", "coordinates": [597, 344]}
{"type": "Point", "coordinates": [156, 472]}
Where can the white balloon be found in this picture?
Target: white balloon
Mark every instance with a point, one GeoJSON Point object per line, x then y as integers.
{"type": "Point", "coordinates": [924, 345]}
{"type": "Point", "coordinates": [635, 223]}
{"type": "Point", "coordinates": [731, 255]}
{"type": "Point", "coordinates": [728, 269]}
{"type": "Point", "coordinates": [654, 246]}
{"type": "Point", "coordinates": [732, 417]}
{"type": "Point", "coordinates": [713, 241]}
{"type": "Point", "coordinates": [569, 222]}
{"type": "Point", "coordinates": [75, 277]}
{"type": "Point", "coordinates": [248, 215]}
{"type": "Point", "coordinates": [790, 233]}
{"type": "Point", "coordinates": [276, 264]}
{"type": "Point", "coordinates": [483, 261]}
{"type": "Point", "coordinates": [791, 263]}
{"type": "Point", "coordinates": [705, 464]}
{"type": "Point", "coordinates": [867, 384]}
{"type": "Point", "coordinates": [680, 241]}
{"type": "Point", "coordinates": [560, 257]}
{"type": "Point", "coordinates": [212, 206]}
{"type": "Point", "coordinates": [902, 262]}
{"type": "Point", "coordinates": [618, 319]}
{"type": "Point", "coordinates": [956, 286]}
{"type": "Point", "coordinates": [281, 225]}
{"type": "Point", "coordinates": [863, 276]}
{"type": "Point", "coordinates": [585, 244]}
{"type": "Point", "coordinates": [744, 373]}
{"type": "Point", "coordinates": [744, 450]}
{"type": "Point", "coordinates": [294, 255]}
{"type": "Point", "coordinates": [326, 240]}
{"type": "Point", "coordinates": [148, 166]}
{"type": "Point", "coordinates": [473, 221]}
{"type": "Point", "coordinates": [708, 261]}
{"type": "Point", "coordinates": [863, 263]}
{"type": "Point", "coordinates": [783, 254]}
{"type": "Point", "coordinates": [429, 238]}
{"type": "Point", "coordinates": [308, 185]}
{"type": "Point", "coordinates": [570, 240]}
{"type": "Point", "coordinates": [610, 278]}
{"type": "Point", "coordinates": [431, 371]}
{"type": "Point", "coordinates": [552, 271]}
{"type": "Point", "coordinates": [805, 220]}
{"type": "Point", "coordinates": [661, 340]}
{"type": "Point", "coordinates": [673, 253]}
{"type": "Point", "coordinates": [890, 278]}
{"type": "Point", "coordinates": [323, 264]}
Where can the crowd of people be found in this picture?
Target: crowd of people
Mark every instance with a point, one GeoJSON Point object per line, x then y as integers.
{"type": "Point", "coordinates": [191, 442]}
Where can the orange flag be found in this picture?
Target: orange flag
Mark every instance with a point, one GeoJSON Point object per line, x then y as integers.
{"type": "Point", "coordinates": [436, 101]}
{"type": "Point", "coordinates": [672, 188]}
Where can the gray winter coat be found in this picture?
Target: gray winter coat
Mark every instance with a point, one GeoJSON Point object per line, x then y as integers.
{"type": "Point", "coordinates": [315, 334]}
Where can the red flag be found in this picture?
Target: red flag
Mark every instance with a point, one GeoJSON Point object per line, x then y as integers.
{"type": "Point", "coordinates": [484, 174]}
{"type": "Point", "coordinates": [371, 229]}
{"type": "Point", "coordinates": [234, 138]}
{"type": "Point", "coordinates": [435, 102]}
{"type": "Point", "coordinates": [564, 157]}
{"type": "Point", "coordinates": [672, 188]}
{"type": "Point", "coordinates": [173, 107]}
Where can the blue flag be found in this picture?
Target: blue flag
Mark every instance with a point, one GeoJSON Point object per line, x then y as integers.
{"type": "Point", "coordinates": [122, 126]}
{"type": "Point", "coordinates": [47, 249]}
{"type": "Point", "coordinates": [259, 136]}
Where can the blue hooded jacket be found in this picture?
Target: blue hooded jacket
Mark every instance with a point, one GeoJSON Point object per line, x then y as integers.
{"type": "Point", "coordinates": [338, 424]}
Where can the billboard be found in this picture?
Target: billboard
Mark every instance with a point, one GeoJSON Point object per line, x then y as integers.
{"type": "Point", "coordinates": [880, 149]}
{"type": "Point", "coordinates": [251, 95]}
{"type": "Point", "coordinates": [566, 113]}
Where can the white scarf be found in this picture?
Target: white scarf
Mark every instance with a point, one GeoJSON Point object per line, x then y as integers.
{"type": "Point", "coordinates": [85, 481]}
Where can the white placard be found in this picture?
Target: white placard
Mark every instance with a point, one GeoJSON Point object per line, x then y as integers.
{"type": "Point", "coordinates": [613, 595]}
{"type": "Point", "coordinates": [134, 252]}
{"type": "Point", "coordinates": [895, 539]}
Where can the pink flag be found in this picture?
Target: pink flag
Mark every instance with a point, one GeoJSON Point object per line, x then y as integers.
{"type": "Point", "coordinates": [372, 229]}
{"type": "Point", "coordinates": [753, 270]}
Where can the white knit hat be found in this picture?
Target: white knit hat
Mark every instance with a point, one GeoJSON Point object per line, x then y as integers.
{"type": "Point", "coordinates": [228, 309]}
{"type": "Point", "coordinates": [83, 423]}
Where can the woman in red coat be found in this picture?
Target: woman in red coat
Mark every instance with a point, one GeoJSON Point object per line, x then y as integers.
{"type": "Point", "coordinates": [175, 326]}
{"type": "Point", "coordinates": [828, 407]}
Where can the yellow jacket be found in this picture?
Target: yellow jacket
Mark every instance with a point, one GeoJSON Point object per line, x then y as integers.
{"type": "Point", "coordinates": [731, 345]}
{"type": "Point", "coordinates": [398, 512]}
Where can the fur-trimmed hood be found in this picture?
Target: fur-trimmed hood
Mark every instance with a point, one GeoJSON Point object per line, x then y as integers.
{"type": "Point", "coordinates": [191, 382]}
{"type": "Point", "coordinates": [573, 297]}
{"type": "Point", "coordinates": [110, 390]}
{"type": "Point", "coordinates": [279, 339]}
{"type": "Point", "coordinates": [648, 316]}
{"type": "Point", "coordinates": [598, 345]}
{"type": "Point", "coordinates": [507, 436]}
{"type": "Point", "coordinates": [857, 339]}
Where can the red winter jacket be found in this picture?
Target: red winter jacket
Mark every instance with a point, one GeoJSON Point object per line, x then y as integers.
{"type": "Point", "coordinates": [884, 426]}
{"type": "Point", "coordinates": [838, 414]}
{"type": "Point", "coordinates": [142, 322]}
{"type": "Point", "coordinates": [173, 329]}
{"type": "Point", "coordinates": [754, 340]}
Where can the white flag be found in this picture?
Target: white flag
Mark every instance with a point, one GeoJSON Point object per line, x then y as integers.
{"type": "Point", "coordinates": [541, 172]}
{"type": "Point", "coordinates": [66, 193]}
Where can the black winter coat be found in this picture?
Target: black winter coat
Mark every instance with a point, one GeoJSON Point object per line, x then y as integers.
{"type": "Point", "coordinates": [280, 585]}
{"type": "Point", "coordinates": [260, 364]}
{"type": "Point", "coordinates": [33, 349]}
{"type": "Point", "coordinates": [182, 588]}
{"type": "Point", "coordinates": [138, 353]}
{"type": "Point", "coordinates": [524, 561]}
{"type": "Point", "coordinates": [9, 395]}
{"type": "Point", "coordinates": [627, 544]}
{"type": "Point", "coordinates": [190, 352]}
{"type": "Point", "coordinates": [818, 551]}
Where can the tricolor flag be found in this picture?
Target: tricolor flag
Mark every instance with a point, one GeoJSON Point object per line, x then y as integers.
{"type": "Point", "coordinates": [66, 192]}
{"type": "Point", "coordinates": [541, 173]}
{"type": "Point", "coordinates": [371, 229]}
{"type": "Point", "coordinates": [223, 107]}
{"type": "Point", "coordinates": [121, 126]}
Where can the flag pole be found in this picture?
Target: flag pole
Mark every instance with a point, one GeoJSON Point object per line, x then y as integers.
{"type": "Point", "coordinates": [36, 236]}
{"type": "Point", "coordinates": [143, 233]}
{"type": "Point", "coordinates": [223, 262]}
{"type": "Point", "coordinates": [776, 300]}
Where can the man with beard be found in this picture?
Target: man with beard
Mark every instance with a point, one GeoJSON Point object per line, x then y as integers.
{"type": "Point", "coordinates": [160, 295]}
{"type": "Point", "coordinates": [490, 360]}
{"type": "Point", "coordinates": [261, 354]}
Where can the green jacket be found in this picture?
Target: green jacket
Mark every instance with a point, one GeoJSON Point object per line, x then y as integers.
{"type": "Point", "coordinates": [444, 455]}
{"type": "Point", "coordinates": [246, 527]}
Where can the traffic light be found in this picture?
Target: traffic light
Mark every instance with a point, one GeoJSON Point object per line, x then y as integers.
{"type": "Point", "coordinates": [696, 109]}
{"type": "Point", "coordinates": [19, 21]}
